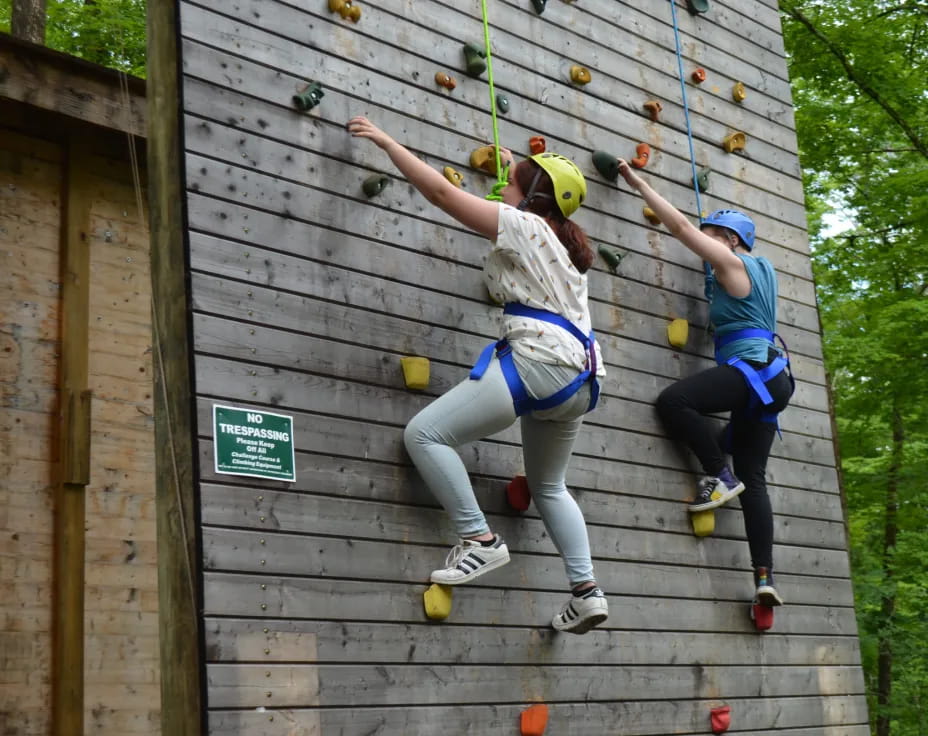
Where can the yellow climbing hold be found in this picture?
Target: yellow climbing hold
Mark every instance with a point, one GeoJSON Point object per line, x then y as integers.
{"type": "Point", "coordinates": [738, 92]}
{"type": "Point", "coordinates": [678, 331]}
{"type": "Point", "coordinates": [651, 216]}
{"type": "Point", "coordinates": [437, 601]}
{"type": "Point", "coordinates": [580, 74]}
{"type": "Point", "coordinates": [415, 372]}
{"type": "Point", "coordinates": [484, 159]}
{"type": "Point", "coordinates": [455, 177]}
{"type": "Point", "coordinates": [703, 522]}
{"type": "Point", "coordinates": [734, 141]}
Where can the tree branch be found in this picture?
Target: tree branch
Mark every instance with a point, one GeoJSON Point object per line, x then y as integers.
{"type": "Point", "coordinates": [854, 77]}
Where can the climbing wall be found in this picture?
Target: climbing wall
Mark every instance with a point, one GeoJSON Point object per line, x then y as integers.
{"type": "Point", "coordinates": [306, 294]}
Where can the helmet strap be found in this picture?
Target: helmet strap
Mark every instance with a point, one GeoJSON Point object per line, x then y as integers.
{"type": "Point", "coordinates": [530, 195]}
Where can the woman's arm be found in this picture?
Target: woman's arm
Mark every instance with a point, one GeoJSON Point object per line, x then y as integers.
{"type": "Point", "coordinates": [729, 269]}
{"type": "Point", "coordinates": [474, 212]}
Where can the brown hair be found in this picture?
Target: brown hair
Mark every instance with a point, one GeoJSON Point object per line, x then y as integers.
{"type": "Point", "coordinates": [571, 235]}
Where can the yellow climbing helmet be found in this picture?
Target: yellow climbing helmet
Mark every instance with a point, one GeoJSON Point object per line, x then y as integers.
{"type": "Point", "coordinates": [569, 184]}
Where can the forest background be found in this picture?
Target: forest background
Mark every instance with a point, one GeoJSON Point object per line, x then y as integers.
{"type": "Point", "coordinates": [858, 71]}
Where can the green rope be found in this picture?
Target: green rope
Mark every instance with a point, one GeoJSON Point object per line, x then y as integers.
{"type": "Point", "coordinates": [502, 175]}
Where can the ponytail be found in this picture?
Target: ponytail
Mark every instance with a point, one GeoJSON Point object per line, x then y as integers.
{"type": "Point", "coordinates": [571, 235]}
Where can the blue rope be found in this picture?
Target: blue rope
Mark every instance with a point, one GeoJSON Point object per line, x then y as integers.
{"type": "Point", "coordinates": [689, 127]}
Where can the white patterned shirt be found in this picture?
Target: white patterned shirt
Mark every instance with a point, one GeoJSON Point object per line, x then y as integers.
{"type": "Point", "coordinates": [529, 265]}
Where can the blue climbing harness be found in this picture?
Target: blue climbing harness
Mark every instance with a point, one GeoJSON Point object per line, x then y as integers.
{"type": "Point", "coordinates": [522, 402]}
{"type": "Point", "coordinates": [757, 377]}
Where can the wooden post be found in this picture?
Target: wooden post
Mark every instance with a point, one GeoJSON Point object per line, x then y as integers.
{"type": "Point", "coordinates": [179, 593]}
{"type": "Point", "coordinates": [74, 449]}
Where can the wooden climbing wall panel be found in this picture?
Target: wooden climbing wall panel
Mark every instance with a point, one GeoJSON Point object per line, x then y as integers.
{"type": "Point", "coordinates": [306, 294]}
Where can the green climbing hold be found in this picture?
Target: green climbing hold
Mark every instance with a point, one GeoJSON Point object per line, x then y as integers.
{"type": "Point", "coordinates": [539, 6]}
{"type": "Point", "coordinates": [502, 102]}
{"type": "Point", "coordinates": [612, 256]}
{"type": "Point", "coordinates": [606, 164]}
{"type": "Point", "coordinates": [375, 184]}
{"type": "Point", "coordinates": [474, 60]}
{"type": "Point", "coordinates": [697, 6]}
{"type": "Point", "coordinates": [308, 97]}
{"type": "Point", "coordinates": [702, 179]}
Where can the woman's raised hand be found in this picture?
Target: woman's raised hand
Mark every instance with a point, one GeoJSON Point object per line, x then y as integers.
{"type": "Point", "coordinates": [361, 127]}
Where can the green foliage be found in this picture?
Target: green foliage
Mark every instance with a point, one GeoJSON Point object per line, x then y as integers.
{"type": "Point", "coordinates": [106, 32]}
{"type": "Point", "coordinates": [858, 70]}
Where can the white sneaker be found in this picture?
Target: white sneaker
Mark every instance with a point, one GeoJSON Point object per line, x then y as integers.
{"type": "Point", "coordinates": [469, 560]}
{"type": "Point", "coordinates": [713, 492]}
{"type": "Point", "coordinates": [582, 613]}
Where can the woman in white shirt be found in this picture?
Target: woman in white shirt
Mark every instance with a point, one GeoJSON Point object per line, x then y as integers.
{"type": "Point", "coordinates": [544, 369]}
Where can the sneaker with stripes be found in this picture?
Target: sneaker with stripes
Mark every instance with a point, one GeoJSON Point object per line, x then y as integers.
{"type": "Point", "coordinates": [469, 560]}
{"type": "Point", "coordinates": [581, 613]}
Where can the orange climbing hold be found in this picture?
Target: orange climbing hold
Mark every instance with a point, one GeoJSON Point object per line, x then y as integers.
{"type": "Point", "coordinates": [720, 718]}
{"type": "Point", "coordinates": [518, 494]}
{"type": "Point", "coordinates": [654, 109]}
{"type": "Point", "coordinates": [443, 79]}
{"type": "Point", "coordinates": [699, 76]}
{"type": "Point", "coordinates": [534, 720]}
{"type": "Point", "coordinates": [536, 144]}
{"type": "Point", "coordinates": [644, 153]}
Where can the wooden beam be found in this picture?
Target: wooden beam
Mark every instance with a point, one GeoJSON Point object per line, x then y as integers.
{"type": "Point", "coordinates": [179, 585]}
{"type": "Point", "coordinates": [73, 87]}
{"type": "Point", "coordinates": [74, 448]}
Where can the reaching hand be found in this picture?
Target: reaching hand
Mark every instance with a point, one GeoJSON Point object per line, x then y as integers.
{"type": "Point", "coordinates": [631, 178]}
{"type": "Point", "coordinates": [361, 127]}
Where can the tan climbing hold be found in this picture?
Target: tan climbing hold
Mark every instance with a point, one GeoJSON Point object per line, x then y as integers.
{"type": "Point", "coordinates": [580, 74]}
{"type": "Point", "coordinates": [415, 372]}
{"type": "Point", "coordinates": [654, 109]}
{"type": "Point", "coordinates": [443, 79]}
{"type": "Point", "coordinates": [484, 159]}
{"type": "Point", "coordinates": [734, 141]}
{"type": "Point", "coordinates": [738, 92]}
{"type": "Point", "coordinates": [437, 601]}
{"type": "Point", "coordinates": [651, 216]}
{"type": "Point", "coordinates": [454, 176]}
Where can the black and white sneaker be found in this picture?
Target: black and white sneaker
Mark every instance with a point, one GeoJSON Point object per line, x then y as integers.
{"type": "Point", "coordinates": [765, 594]}
{"type": "Point", "coordinates": [469, 560]}
{"type": "Point", "coordinates": [712, 492]}
{"type": "Point", "coordinates": [581, 613]}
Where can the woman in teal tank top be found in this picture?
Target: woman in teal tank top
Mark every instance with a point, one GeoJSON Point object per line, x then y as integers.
{"type": "Point", "coordinates": [750, 380]}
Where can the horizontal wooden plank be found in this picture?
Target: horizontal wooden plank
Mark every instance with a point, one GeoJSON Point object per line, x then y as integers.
{"type": "Point", "coordinates": [247, 640]}
{"type": "Point", "coordinates": [287, 554]}
{"type": "Point", "coordinates": [250, 686]}
{"type": "Point", "coordinates": [801, 716]}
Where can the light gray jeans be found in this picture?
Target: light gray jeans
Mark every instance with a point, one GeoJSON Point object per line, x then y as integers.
{"type": "Point", "coordinates": [473, 410]}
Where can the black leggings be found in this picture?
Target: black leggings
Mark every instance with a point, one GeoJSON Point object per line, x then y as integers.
{"type": "Point", "coordinates": [682, 407]}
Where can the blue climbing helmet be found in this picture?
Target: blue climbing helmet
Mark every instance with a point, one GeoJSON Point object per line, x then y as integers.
{"type": "Point", "coordinates": [733, 220]}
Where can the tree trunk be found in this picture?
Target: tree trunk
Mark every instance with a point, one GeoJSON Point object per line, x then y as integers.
{"type": "Point", "coordinates": [28, 20]}
{"type": "Point", "coordinates": [888, 603]}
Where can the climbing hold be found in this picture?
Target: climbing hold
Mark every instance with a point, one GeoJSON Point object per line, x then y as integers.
{"type": "Point", "coordinates": [580, 74]}
{"type": "Point", "coordinates": [650, 215]}
{"type": "Point", "coordinates": [346, 9]}
{"type": "Point", "coordinates": [697, 6]}
{"type": "Point", "coordinates": [518, 494]}
{"type": "Point", "coordinates": [455, 177]}
{"type": "Point", "coordinates": [703, 522]}
{"type": "Point", "coordinates": [443, 79]}
{"type": "Point", "coordinates": [612, 256]}
{"type": "Point", "coordinates": [502, 102]}
{"type": "Point", "coordinates": [644, 153]}
{"type": "Point", "coordinates": [738, 92]}
{"type": "Point", "coordinates": [699, 76]}
{"type": "Point", "coordinates": [762, 616]}
{"type": "Point", "coordinates": [335, 6]}
{"type": "Point", "coordinates": [474, 60]}
{"type": "Point", "coordinates": [536, 144]}
{"type": "Point", "coordinates": [720, 718]}
{"type": "Point", "coordinates": [702, 179]}
{"type": "Point", "coordinates": [415, 372]}
{"type": "Point", "coordinates": [310, 96]}
{"type": "Point", "coordinates": [734, 141]}
{"type": "Point", "coordinates": [437, 601]}
{"type": "Point", "coordinates": [539, 6]}
{"type": "Point", "coordinates": [654, 109]}
{"type": "Point", "coordinates": [375, 184]}
{"type": "Point", "coordinates": [606, 164]}
{"type": "Point", "coordinates": [534, 720]}
{"type": "Point", "coordinates": [484, 159]}
{"type": "Point", "coordinates": [677, 333]}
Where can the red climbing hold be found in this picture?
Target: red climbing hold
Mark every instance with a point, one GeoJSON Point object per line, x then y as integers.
{"type": "Point", "coordinates": [699, 76]}
{"type": "Point", "coordinates": [762, 616]}
{"type": "Point", "coordinates": [534, 720]}
{"type": "Point", "coordinates": [536, 144]}
{"type": "Point", "coordinates": [518, 494]}
{"type": "Point", "coordinates": [720, 718]}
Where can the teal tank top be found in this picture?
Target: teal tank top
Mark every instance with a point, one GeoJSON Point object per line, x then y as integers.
{"type": "Point", "coordinates": [757, 310]}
